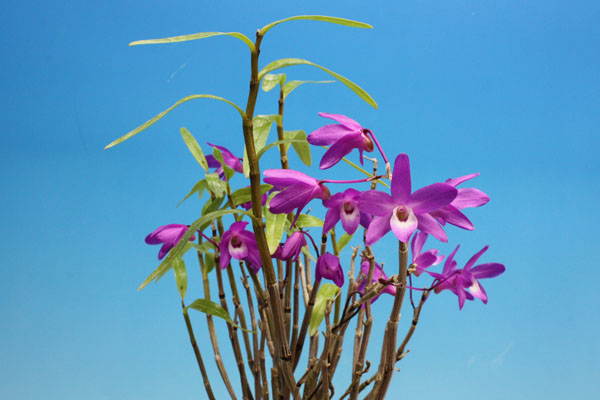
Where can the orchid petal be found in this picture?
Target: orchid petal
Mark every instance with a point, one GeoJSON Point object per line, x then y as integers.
{"type": "Point", "coordinates": [342, 119]}
{"type": "Point", "coordinates": [416, 245]}
{"type": "Point", "coordinates": [378, 227]}
{"type": "Point", "coordinates": [452, 215]}
{"type": "Point", "coordinates": [287, 177]}
{"type": "Point", "coordinates": [457, 181]}
{"type": "Point", "coordinates": [487, 270]}
{"type": "Point", "coordinates": [339, 149]}
{"type": "Point", "coordinates": [331, 218]}
{"type": "Point", "coordinates": [401, 183]}
{"type": "Point", "coordinates": [225, 255]}
{"type": "Point", "coordinates": [470, 197]}
{"type": "Point", "coordinates": [403, 229]}
{"type": "Point", "coordinates": [477, 291]}
{"type": "Point", "coordinates": [328, 134]}
{"type": "Point", "coordinates": [450, 264]}
{"type": "Point", "coordinates": [296, 196]}
{"type": "Point", "coordinates": [475, 257]}
{"type": "Point", "coordinates": [428, 224]}
{"type": "Point", "coordinates": [432, 197]}
{"type": "Point", "coordinates": [376, 203]}
{"type": "Point", "coordinates": [350, 221]}
{"type": "Point", "coordinates": [240, 251]}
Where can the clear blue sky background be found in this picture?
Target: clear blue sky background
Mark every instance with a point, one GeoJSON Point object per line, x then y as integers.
{"type": "Point", "coordinates": [510, 89]}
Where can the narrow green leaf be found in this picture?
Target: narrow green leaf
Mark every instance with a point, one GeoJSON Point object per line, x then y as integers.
{"type": "Point", "coordinates": [180, 276]}
{"type": "Point", "coordinates": [199, 187]}
{"type": "Point", "coordinates": [195, 36]}
{"type": "Point", "coordinates": [209, 262]}
{"type": "Point", "coordinates": [323, 18]}
{"type": "Point", "coordinates": [194, 148]}
{"type": "Point", "coordinates": [307, 221]}
{"type": "Point", "coordinates": [162, 114]}
{"type": "Point", "coordinates": [344, 240]}
{"type": "Point", "coordinates": [272, 80]}
{"type": "Point", "coordinates": [274, 227]}
{"type": "Point", "coordinates": [244, 195]}
{"type": "Point", "coordinates": [291, 85]}
{"type": "Point", "coordinates": [327, 292]}
{"type": "Point", "coordinates": [211, 206]}
{"type": "Point", "coordinates": [287, 142]}
{"type": "Point", "coordinates": [261, 126]}
{"type": "Point", "coordinates": [215, 184]}
{"type": "Point", "coordinates": [288, 62]}
{"type": "Point", "coordinates": [209, 307]}
{"type": "Point", "coordinates": [165, 265]}
{"type": "Point", "coordinates": [301, 148]}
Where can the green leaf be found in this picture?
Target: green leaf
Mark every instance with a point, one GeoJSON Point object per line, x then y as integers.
{"type": "Point", "coordinates": [327, 292]}
{"type": "Point", "coordinates": [180, 276]}
{"type": "Point", "coordinates": [162, 114]}
{"type": "Point", "coordinates": [287, 142]}
{"type": "Point", "coordinates": [287, 62]}
{"type": "Point", "coordinates": [272, 80]}
{"type": "Point", "coordinates": [301, 148]}
{"type": "Point", "coordinates": [209, 262]}
{"type": "Point", "coordinates": [194, 148]}
{"type": "Point", "coordinates": [165, 265]}
{"type": "Point", "coordinates": [199, 187]}
{"type": "Point", "coordinates": [244, 195]}
{"type": "Point", "coordinates": [344, 240]}
{"type": "Point", "coordinates": [307, 221]}
{"type": "Point", "coordinates": [261, 127]}
{"type": "Point", "coordinates": [274, 227]}
{"type": "Point", "coordinates": [195, 36]}
{"type": "Point", "coordinates": [215, 184]}
{"type": "Point", "coordinates": [218, 155]}
{"type": "Point", "coordinates": [211, 308]}
{"type": "Point", "coordinates": [323, 18]}
{"type": "Point", "coordinates": [211, 206]}
{"type": "Point", "coordinates": [291, 85]}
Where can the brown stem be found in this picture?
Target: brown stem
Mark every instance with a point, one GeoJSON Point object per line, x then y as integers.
{"type": "Point", "coordinates": [417, 312]}
{"type": "Point", "coordinates": [282, 146]}
{"type": "Point", "coordinates": [188, 324]}
{"type": "Point", "coordinates": [305, 323]}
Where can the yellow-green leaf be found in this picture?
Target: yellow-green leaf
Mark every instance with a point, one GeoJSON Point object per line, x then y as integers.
{"type": "Point", "coordinates": [209, 307]}
{"type": "Point", "coordinates": [199, 187]}
{"type": "Point", "coordinates": [261, 128]}
{"type": "Point", "coordinates": [323, 18]}
{"type": "Point", "coordinates": [288, 62]}
{"type": "Point", "coordinates": [344, 240]}
{"type": "Point", "coordinates": [272, 80]}
{"type": "Point", "coordinates": [291, 85]}
{"type": "Point", "coordinates": [307, 221]}
{"type": "Point", "coordinates": [301, 147]}
{"type": "Point", "coordinates": [327, 292]}
{"type": "Point", "coordinates": [180, 276]}
{"type": "Point", "coordinates": [274, 227]}
{"type": "Point", "coordinates": [195, 36]}
{"type": "Point", "coordinates": [194, 148]}
{"type": "Point", "coordinates": [162, 114]}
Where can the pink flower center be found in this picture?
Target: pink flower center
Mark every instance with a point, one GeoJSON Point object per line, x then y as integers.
{"type": "Point", "coordinates": [348, 208]}
{"type": "Point", "coordinates": [236, 242]}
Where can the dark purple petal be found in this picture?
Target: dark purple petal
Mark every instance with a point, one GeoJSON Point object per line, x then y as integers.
{"type": "Point", "coordinates": [475, 257]}
{"type": "Point", "coordinates": [376, 203]}
{"type": "Point", "coordinates": [452, 215]}
{"type": "Point", "coordinates": [328, 134]}
{"type": "Point", "coordinates": [328, 267]}
{"type": "Point", "coordinates": [331, 218]}
{"type": "Point", "coordinates": [365, 220]}
{"type": "Point", "coordinates": [487, 270]}
{"type": "Point", "coordinates": [230, 159]}
{"type": "Point", "coordinates": [432, 197]}
{"type": "Point", "coordinates": [212, 161]}
{"type": "Point", "coordinates": [225, 256]}
{"type": "Point", "coordinates": [340, 148]}
{"type": "Point", "coordinates": [287, 177]}
{"type": "Point", "coordinates": [428, 224]}
{"type": "Point", "coordinates": [470, 197]}
{"type": "Point", "coordinates": [296, 196]}
{"type": "Point", "coordinates": [342, 119]}
{"type": "Point", "coordinates": [457, 181]}
{"type": "Point", "coordinates": [164, 249]}
{"type": "Point", "coordinates": [401, 184]}
{"type": "Point", "coordinates": [378, 227]}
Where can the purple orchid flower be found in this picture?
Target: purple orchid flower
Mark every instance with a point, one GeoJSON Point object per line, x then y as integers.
{"type": "Point", "coordinates": [241, 245]}
{"type": "Point", "coordinates": [299, 189]}
{"type": "Point", "coordinates": [342, 137]}
{"type": "Point", "coordinates": [169, 236]}
{"type": "Point", "coordinates": [230, 160]}
{"type": "Point", "coordinates": [377, 275]}
{"type": "Point", "coordinates": [292, 247]}
{"type": "Point", "coordinates": [466, 198]}
{"type": "Point", "coordinates": [458, 281]}
{"type": "Point", "coordinates": [328, 267]}
{"type": "Point", "coordinates": [344, 206]}
{"type": "Point", "coordinates": [423, 260]}
{"type": "Point", "coordinates": [403, 212]}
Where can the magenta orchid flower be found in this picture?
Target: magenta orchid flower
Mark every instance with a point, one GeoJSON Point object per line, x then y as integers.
{"type": "Point", "coordinates": [465, 198]}
{"type": "Point", "coordinates": [292, 247]}
{"type": "Point", "coordinates": [403, 212]}
{"type": "Point", "coordinates": [168, 236]}
{"type": "Point", "coordinates": [458, 281]}
{"type": "Point", "coordinates": [298, 190]}
{"type": "Point", "coordinates": [423, 260]}
{"type": "Point", "coordinates": [241, 245]}
{"type": "Point", "coordinates": [342, 137]}
{"type": "Point", "coordinates": [377, 275]}
{"type": "Point", "coordinates": [344, 206]}
{"type": "Point", "coordinates": [328, 267]}
{"type": "Point", "coordinates": [231, 161]}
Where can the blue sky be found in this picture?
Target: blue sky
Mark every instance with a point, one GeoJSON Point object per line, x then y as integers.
{"type": "Point", "coordinates": [508, 89]}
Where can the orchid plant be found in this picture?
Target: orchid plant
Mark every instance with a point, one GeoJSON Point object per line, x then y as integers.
{"type": "Point", "coordinates": [264, 235]}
